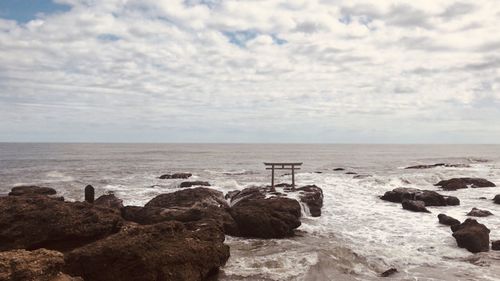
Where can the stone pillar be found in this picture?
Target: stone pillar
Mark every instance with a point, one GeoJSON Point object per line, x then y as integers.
{"type": "Point", "coordinates": [89, 194]}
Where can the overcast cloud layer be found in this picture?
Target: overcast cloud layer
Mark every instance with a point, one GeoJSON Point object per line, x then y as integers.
{"type": "Point", "coordinates": [253, 71]}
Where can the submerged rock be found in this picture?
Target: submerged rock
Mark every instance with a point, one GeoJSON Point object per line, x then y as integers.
{"type": "Point", "coordinates": [475, 212]}
{"type": "Point", "coordinates": [471, 235]}
{"type": "Point", "coordinates": [31, 190]}
{"type": "Point", "coordinates": [109, 201]}
{"type": "Point", "coordinates": [447, 220]}
{"type": "Point", "coordinates": [431, 198]}
{"type": "Point", "coordinates": [459, 183]}
{"type": "Point", "coordinates": [312, 196]}
{"type": "Point", "coordinates": [176, 176]}
{"type": "Point", "coordinates": [42, 222]}
{"type": "Point", "coordinates": [193, 183]}
{"type": "Point", "coordinates": [38, 265]}
{"type": "Point", "coordinates": [414, 205]}
{"type": "Point", "coordinates": [452, 200]}
{"type": "Point", "coordinates": [389, 272]}
{"type": "Point", "coordinates": [496, 199]}
{"type": "Point", "coordinates": [339, 169]}
{"type": "Point", "coordinates": [439, 165]}
{"type": "Point", "coordinates": [163, 251]}
{"type": "Point", "coordinates": [495, 245]}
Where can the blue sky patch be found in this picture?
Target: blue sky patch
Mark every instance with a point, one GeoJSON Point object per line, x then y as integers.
{"type": "Point", "coordinates": [26, 10]}
{"type": "Point", "coordinates": [108, 37]}
{"type": "Point", "coordinates": [241, 37]}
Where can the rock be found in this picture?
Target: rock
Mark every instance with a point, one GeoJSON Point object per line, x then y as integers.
{"type": "Point", "coordinates": [496, 199]}
{"type": "Point", "coordinates": [351, 173]}
{"type": "Point", "coordinates": [475, 212]}
{"type": "Point", "coordinates": [318, 172]}
{"type": "Point", "coordinates": [109, 201]}
{"type": "Point", "coordinates": [452, 201]}
{"type": "Point", "coordinates": [176, 176]}
{"type": "Point", "coordinates": [388, 272]}
{"type": "Point", "coordinates": [89, 194]}
{"type": "Point", "coordinates": [188, 197]}
{"type": "Point", "coordinates": [312, 196]}
{"type": "Point", "coordinates": [361, 176]}
{"type": "Point", "coordinates": [31, 190]}
{"type": "Point", "coordinates": [283, 185]}
{"type": "Point", "coordinates": [163, 251]}
{"type": "Point", "coordinates": [38, 265]}
{"type": "Point", "coordinates": [247, 194]}
{"type": "Point", "coordinates": [42, 222]}
{"type": "Point", "coordinates": [447, 220]}
{"type": "Point", "coordinates": [458, 183]}
{"type": "Point", "coordinates": [495, 245]}
{"type": "Point", "coordinates": [431, 198]}
{"type": "Point", "coordinates": [194, 183]}
{"type": "Point", "coordinates": [414, 205]}
{"type": "Point", "coordinates": [274, 217]}
{"type": "Point", "coordinates": [339, 169]}
{"type": "Point", "coordinates": [439, 165]}
{"type": "Point", "coordinates": [472, 236]}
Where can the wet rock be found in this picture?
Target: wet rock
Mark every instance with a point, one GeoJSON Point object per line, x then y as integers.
{"type": "Point", "coordinates": [31, 190]}
{"type": "Point", "coordinates": [163, 251]}
{"type": "Point", "coordinates": [33, 222]}
{"type": "Point", "coordinates": [439, 165]}
{"type": "Point", "coordinates": [414, 205]}
{"type": "Point", "coordinates": [351, 173]}
{"type": "Point", "coordinates": [283, 185]}
{"type": "Point", "coordinates": [389, 272]}
{"type": "Point", "coordinates": [89, 194]}
{"type": "Point", "coordinates": [431, 198]}
{"type": "Point", "coordinates": [361, 176]}
{"type": "Point", "coordinates": [38, 265]}
{"type": "Point", "coordinates": [447, 220]}
{"type": "Point", "coordinates": [193, 183]}
{"type": "Point", "coordinates": [247, 194]}
{"type": "Point", "coordinates": [471, 235]}
{"type": "Point", "coordinates": [459, 183]}
{"type": "Point", "coordinates": [312, 196]}
{"type": "Point", "coordinates": [109, 201]}
{"type": "Point", "coordinates": [339, 169]}
{"type": "Point", "coordinates": [176, 176]}
{"type": "Point", "coordinates": [495, 245]}
{"type": "Point", "coordinates": [318, 172]}
{"type": "Point", "coordinates": [188, 197]}
{"type": "Point", "coordinates": [274, 217]}
{"type": "Point", "coordinates": [496, 199]}
{"type": "Point", "coordinates": [452, 200]}
{"type": "Point", "coordinates": [475, 212]}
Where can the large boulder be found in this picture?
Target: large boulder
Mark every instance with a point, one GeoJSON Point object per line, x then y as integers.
{"type": "Point", "coordinates": [414, 205]}
{"type": "Point", "coordinates": [274, 217]}
{"type": "Point", "coordinates": [194, 183]}
{"type": "Point", "coordinates": [312, 196]}
{"type": "Point", "coordinates": [458, 183]}
{"type": "Point", "coordinates": [475, 212]}
{"type": "Point", "coordinates": [109, 201]}
{"type": "Point", "coordinates": [163, 251]}
{"type": "Point", "coordinates": [495, 245]}
{"type": "Point", "coordinates": [496, 199]}
{"type": "Point", "coordinates": [188, 197]}
{"type": "Point", "coordinates": [249, 193]}
{"type": "Point", "coordinates": [176, 176]}
{"type": "Point", "coordinates": [33, 222]}
{"type": "Point", "coordinates": [31, 190]}
{"type": "Point", "coordinates": [431, 198]}
{"type": "Point", "coordinates": [472, 236]}
{"type": "Point", "coordinates": [38, 265]}
{"type": "Point", "coordinates": [447, 220]}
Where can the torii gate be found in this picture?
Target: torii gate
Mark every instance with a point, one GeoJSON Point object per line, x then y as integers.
{"type": "Point", "coordinates": [282, 166]}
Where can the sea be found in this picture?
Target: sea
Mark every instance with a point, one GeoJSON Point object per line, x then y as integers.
{"type": "Point", "coordinates": [357, 237]}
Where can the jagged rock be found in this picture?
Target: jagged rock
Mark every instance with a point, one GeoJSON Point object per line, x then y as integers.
{"type": "Point", "coordinates": [38, 265]}
{"type": "Point", "coordinates": [31, 190]}
{"type": "Point", "coordinates": [33, 222]}
{"type": "Point", "coordinates": [389, 272]}
{"type": "Point", "coordinates": [274, 217]}
{"type": "Point", "coordinates": [414, 205]}
{"type": "Point", "coordinates": [496, 200]}
{"type": "Point", "coordinates": [312, 196]}
{"type": "Point", "coordinates": [439, 165]}
{"type": "Point", "coordinates": [194, 183]}
{"type": "Point", "coordinates": [447, 220]}
{"type": "Point", "coordinates": [495, 245]}
{"type": "Point", "coordinates": [163, 251]}
{"type": "Point", "coordinates": [176, 176]}
{"type": "Point", "coordinates": [475, 212]}
{"type": "Point", "coordinates": [109, 201]}
{"type": "Point", "coordinates": [458, 183]}
{"type": "Point", "coordinates": [431, 198]}
{"type": "Point", "coordinates": [452, 200]}
{"type": "Point", "coordinates": [188, 197]}
{"type": "Point", "coordinates": [339, 169]}
{"type": "Point", "coordinates": [473, 236]}
{"type": "Point", "coordinates": [247, 194]}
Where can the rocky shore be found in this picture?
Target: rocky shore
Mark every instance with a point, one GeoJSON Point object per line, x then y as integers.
{"type": "Point", "coordinates": [175, 236]}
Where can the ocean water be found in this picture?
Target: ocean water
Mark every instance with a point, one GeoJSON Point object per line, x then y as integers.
{"type": "Point", "coordinates": [358, 235]}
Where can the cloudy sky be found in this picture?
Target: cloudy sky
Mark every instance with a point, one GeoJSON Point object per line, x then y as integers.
{"type": "Point", "coordinates": [250, 71]}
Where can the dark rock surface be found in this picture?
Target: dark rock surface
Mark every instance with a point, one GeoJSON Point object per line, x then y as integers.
{"type": "Point", "coordinates": [31, 190]}
{"type": "Point", "coordinates": [439, 165]}
{"type": "Point", "coordinates": [447, 220]}
{"type": "Point", "coordinates": [496, 199]}
{"type": "Point", "coordinates": [452, 200]}
{"type": "Point", "coordinates": [274, 217]}
{"type": "Point", "coordinates": [176, 176]}
{"type": "Point", "coordinates": [475, 212]}
{"type": "Point", "coordinates": [389, 272]}
{"type": "Point", "coordinates": [247, 194]}
{"type": "Point", "coordinates": [495, 245]}
{"type": "Point", "coordinates": [414, 205]}
{"type": "Point", "coordinates": [431, 198]}
{"type": "Point", "coordinates": [38, 265]}
{"type": "Point", "coordinates": [33, 222]}
{"type": "Point", "coordinates": [312, 196]}
{"type": "Point", "coordinates": [471, 235]}
{"type": "Point", "coordinates": [188, 197]}
{"type": "Point", "coordinates": [351, 173]}
{"type": "Point", "coordinates": [458, 183]}
{"type": "Point", "coordinates": [193, 183]}
{"type": "Point", "coordinates": [163, 251]}
{"type": "Point", "coordinates": [109, 201]}
{"type": "Point", "coordinates": [339, 169]}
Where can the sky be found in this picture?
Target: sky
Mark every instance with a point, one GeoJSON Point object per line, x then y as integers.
{"type": "Point", "coordinates": [307, 71]}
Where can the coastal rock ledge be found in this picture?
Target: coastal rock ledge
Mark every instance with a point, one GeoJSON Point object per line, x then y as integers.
{"type": "Point", "coordinates": [471, 235]}
{"type": "Point", "coordinates": [413, 195]}
{"type": "Point", "coordinates": [459, 183]}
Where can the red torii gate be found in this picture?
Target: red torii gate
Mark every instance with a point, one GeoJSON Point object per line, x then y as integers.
{"type": "Point", "coordinates": [282, 166]}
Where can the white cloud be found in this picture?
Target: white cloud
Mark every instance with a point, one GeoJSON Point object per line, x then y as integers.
{"type": "Point", "coordinates": [200, 70]}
